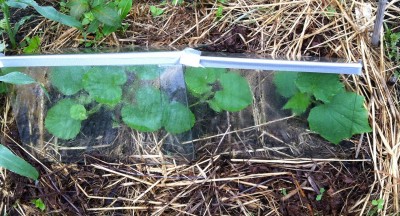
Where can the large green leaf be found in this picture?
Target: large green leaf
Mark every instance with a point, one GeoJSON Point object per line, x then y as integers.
{"type": "Point", "coordinates": [340, 119]}
{"type": "Point", "coordinates": [68, 80]}
{"type": "Point", "coordinates": [322, 86]}
{"type": "Point", "coordinates": [107, 30]}
{"type": "Point", "coordinates": [16, 164]}
{"type": "Point", "coordinates": [124, 6]}
{"type": "Point", "coordinates": [17, 78]}
{"type": "Point", "coordinates": [146, 115]}
{"type": "Point", "coordinates": [107, 14]}
{"type": "Point", "coordinates": [78, 112]}
{"type": "Point", "coordinates": [199, 80]}
{"type": "Point", "coordinates": [78, 8]}
{"type": "Point", "coordinates": [235, 94]}
{"type": "Point", "coordinates": [298, 103]}
{"type": "Point", "coordinates": [177, 118]}
{"type": "Point", "coordinates": [104, 84]}
{"type": "Point", "coordinates": [52, 14]}
{"type": "Point", "coordinates": [59, 121]}
{"type": "Point", "coordinates": [145, 72]}
{"type": "Point", "coordinates": [285, 83]}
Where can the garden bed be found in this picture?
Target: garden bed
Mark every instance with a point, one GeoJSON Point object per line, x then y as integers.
{"type": "Point", "coordinates": [230, 175]}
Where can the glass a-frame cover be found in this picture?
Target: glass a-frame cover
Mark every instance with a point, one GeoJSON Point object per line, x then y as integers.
{"type": "Point", "coordinates": [161, 104]}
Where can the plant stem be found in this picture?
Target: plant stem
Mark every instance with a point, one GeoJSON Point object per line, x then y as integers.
{"type": "Point", "coordinates": [94, 109]}
{"type": "Point", "coordinates": [10, 32]}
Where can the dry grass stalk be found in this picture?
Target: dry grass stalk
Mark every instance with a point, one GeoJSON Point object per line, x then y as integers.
{"type": "Point", "coordinates": [280, 28]}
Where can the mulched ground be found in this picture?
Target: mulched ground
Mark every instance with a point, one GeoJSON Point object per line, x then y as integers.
{"type": "Point", "coordinates": [100, 185]}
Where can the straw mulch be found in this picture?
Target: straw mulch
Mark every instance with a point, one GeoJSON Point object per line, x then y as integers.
{"type": "Point", "coordinates": [217, 184]}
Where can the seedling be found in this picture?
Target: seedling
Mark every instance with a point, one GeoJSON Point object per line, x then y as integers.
{"type": "Point", "coordinates": [378, 205]}
{"type": "Point", "coordinates": [335, 114]}
{"type": "Point", "coordinates": [143, 107]}
{"type": "Point", "coordinates": [284, 191]}
{"type": "Point", "coordinates": [321, 193]}
{"type": "Point", "coordinates": [330, 12]}
{"type": "Point", "coordinates": [156, 11]}
{"type": "Point", "coordinates": [33, 45]}
{"type": "Point", "coordinates": [39, 204]}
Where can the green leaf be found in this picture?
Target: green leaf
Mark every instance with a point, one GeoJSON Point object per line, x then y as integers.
{"type": "Point", "coordinates": [124, 7]}
{"type": "Point", "coordinates": [235, 95]}
{"type": "Point", "coordinates": [155, 11]}
{"type": "Point", "coordinates": [12, 162]}
{"type": "Point", "coordinates": [3, 46]}
{"type": "Point", "coordinates": [107, 30]}
{"type": "Point", "coordinates": [93, 27]}
{"type": "Point", "coordinates": [18, 24]}
{"type": "Point", "coordinates": [219, 12]}
{"type": "Point", "coordinates": [199, 80]}
{"type": "Point", "coordinates": [330, 12]}
{"type": "Point", "coordinates": [15, 4]}
{"type": "Point", "coordinates": [3, 88]}
{"type": "Point", "coordinates": [146, 115]}
{"type": "Point", "coordinates": [178, 118]}
{"type": "Point", "coordinates": [52, 14]}
{"type": "Point", "coordinates": [145, 72]}
{"type": "Point", "coordinates": [340, 119]}
{"type": "Point", "coordinates": [374, 202]}
{"type": "Point", "coordinates": [17, 78]}
{"type": "Point", "coordinates": [177, 2]}
{"type": "Point", "coordinates": [68, 80]}
{"type": "Point", "coordinates": [78, 8]}
{"type": "Point", "coordinates": [39, 204]}
{"type": "Point", "coordinates": [322, 86]}
{"type": "Point", "coordinates": [95, 3]}
{"type": "Point", "coordinates": [104, 84]}
{"type": "Point", "coordinates": [214, 105]}
{"type": "Point", "coordinates": [33, 45]}
{"type": "Point", "coordinates": [107, 14]}
{"type": "Point", "coordinates": [59, 121]}
{"type": "Point", "coordinates": [285, 83]}
{"type": "Point", "coordinates": [78, 112]}
{"type": "Point", "coordinates": [298, 103]}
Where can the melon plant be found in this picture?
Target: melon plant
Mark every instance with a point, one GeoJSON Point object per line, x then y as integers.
{"type": "Point", "coordinates": [334, 113]}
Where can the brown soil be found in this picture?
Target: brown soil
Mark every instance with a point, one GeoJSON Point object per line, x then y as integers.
{"type": "Point", "coordinates": [219, 182]}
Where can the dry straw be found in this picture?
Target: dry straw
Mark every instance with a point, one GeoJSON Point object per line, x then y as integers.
{"type": "Point", "coordinates": [215, 184]}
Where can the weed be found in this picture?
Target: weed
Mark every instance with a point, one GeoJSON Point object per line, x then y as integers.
{"type": "Point", "coordinates": [99, 16]}
{"type": "Point", "coordinates": [39, 204]}
{"type": "Point", "coordinates": [284, 191]}
{"type": "Point", "coordinates": [5, 24]}
{"type": "Point", "coordinates": [33, 45]}
{"type": "Point", "coordinates": [335, 114]}
{"type": "Point", "coordinates": [391, 41]}
{"type": "Point", "coordinates": [377, 206]}
{"type": "Point", "coordinates": [321, 193]}
{"type": "Point", "coordinates": [330, 12]}
{"type": "Point", "coordinates": [12, 162]}
{"type": "Point", "coordinates": [8, 159]}
{"type": "Point", "coordinates": [156, 11]}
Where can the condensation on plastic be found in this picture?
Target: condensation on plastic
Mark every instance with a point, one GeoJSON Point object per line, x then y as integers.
{"type": "Point", "coordinates": [262, 129]}
{"type": "Point", "coordinates": [104, 130]}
